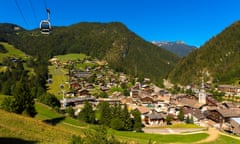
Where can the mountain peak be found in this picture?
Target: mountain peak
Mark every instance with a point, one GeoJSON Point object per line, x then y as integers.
{"type": "Point", "coordinates": [180, 48]}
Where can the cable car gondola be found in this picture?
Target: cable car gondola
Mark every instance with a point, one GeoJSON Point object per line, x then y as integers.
{"type": "Point", "coordinates": [45, 25]}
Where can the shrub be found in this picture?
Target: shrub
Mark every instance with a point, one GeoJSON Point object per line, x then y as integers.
{"type": "Point", "coordinates": [49, 100]}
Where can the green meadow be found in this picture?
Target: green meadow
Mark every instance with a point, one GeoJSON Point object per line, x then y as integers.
{"type": "Point", "coordinates": [11, 52]}
{"type": "Point", "coordinates": [59, 78]}
{"type": "Point", "coordinates": [72, 56]}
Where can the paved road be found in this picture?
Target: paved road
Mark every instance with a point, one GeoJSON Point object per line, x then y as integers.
{"type": "Point", "coordinates": [172, 131]}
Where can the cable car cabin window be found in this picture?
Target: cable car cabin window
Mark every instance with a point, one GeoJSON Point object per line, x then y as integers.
{"type": "Point", "coordinates": [45, 27]}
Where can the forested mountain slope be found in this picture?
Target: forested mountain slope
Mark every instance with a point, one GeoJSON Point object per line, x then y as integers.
{"type": "Point", "coordinates": [217, 61]}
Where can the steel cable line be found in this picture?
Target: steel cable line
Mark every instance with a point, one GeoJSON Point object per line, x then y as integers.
{"type": "Point", "coordinates": [34, 14]}
{"type": "Point", "coordinates": [19, 9]}
{"type": "Point", "coordinates": [45, 4]}
{"type": "Point", "coordinates": [47, 9]}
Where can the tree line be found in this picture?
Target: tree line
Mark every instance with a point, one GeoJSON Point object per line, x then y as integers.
{"type": "Point", "coordinates": [114, 116]}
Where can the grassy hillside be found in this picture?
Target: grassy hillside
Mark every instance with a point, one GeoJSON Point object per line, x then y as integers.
{"type": "Point", "coordinates": [14, 126]}
{"type": "Point", "coordinates": [217, 61]}
{"type": "Point", "coordinates": [31, 130]}
{"type": "Point", "coordinates": [11, 52]}
{"type": "Point", "coordinates": [70, 57]}
{"type": "Point", "coordinates": [59, 78]}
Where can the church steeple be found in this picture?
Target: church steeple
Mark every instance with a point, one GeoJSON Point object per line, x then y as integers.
{"type": "Point", "coordinates": [202, 96]}
{"type": "Point", "coordinates": [202, 84]}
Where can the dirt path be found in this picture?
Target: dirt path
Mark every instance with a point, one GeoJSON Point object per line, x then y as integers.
{"type": "Point", "coordinates": [213, 135]}
{"type": "Point", "coordinates": [232, 136]}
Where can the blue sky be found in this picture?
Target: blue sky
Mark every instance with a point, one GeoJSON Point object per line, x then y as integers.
{"type": "Point", "coordinates": [191, 21]}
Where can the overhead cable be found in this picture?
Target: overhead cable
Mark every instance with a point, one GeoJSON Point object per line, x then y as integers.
{"type": "Point", "coordinates": [19, 9]}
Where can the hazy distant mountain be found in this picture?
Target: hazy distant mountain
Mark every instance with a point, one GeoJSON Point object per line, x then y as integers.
{"type": "Point", "coordinates": [218, 60]}
{"type": "Point", "coordinates": [179, 48]}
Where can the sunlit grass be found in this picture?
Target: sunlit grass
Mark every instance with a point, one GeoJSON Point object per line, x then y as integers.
{"type": "Point", "coordinates": [17, 126]}
{"type": "Point", "coordinates": [71, 56]}
{"type": "Point", "coordinates": [222, 139]}
{"type": "Point", "coordinates": [12, 51]}
{"type": "Point", "coordinates": [44, 112]}
{"type": "Point", "coordinates": [143, 138]}
{"type": "Point", "coordinates": [59, 78]}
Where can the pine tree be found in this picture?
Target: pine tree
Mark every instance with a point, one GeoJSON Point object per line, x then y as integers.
{"type": "Point", "coordinates": [87, 114]}
{"type": "Point", "coordinates": [191, 120]}
{"type": "Point", "coordinates": [188, 120]}
{"type": "Point", "coordinates": [116, 110]}
{"type": "Point", "coordinates": [137, 126]}
{"type": "Point", "coordinates": [116, 123]}
{"type": "Point", "coordinates": [168, 119]}
{"type": "Point", "coordinates": [125, 117]}
{"type": "Point", "coordinates": [70, 111]}
{"type": "Point", "coordinates": [181, 115]}
{"type": "Point", "coordinates": [105, 113]}
{"type": "Point", "coordinates": [22, 101]}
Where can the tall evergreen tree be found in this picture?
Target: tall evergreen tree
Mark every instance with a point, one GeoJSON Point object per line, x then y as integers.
{"type": "Point", "coordinates": [87, 114]}
{"type": "Point", "coordinates": [22, 101]}
{"type": "Point", "coordinates": [105, 113]}
{"type": "Point", "coordinates": [125, 117]}
{"type": "Point", "coordinates": [137, 125]}
{"type": "Point", "coordinates": [181, 115]}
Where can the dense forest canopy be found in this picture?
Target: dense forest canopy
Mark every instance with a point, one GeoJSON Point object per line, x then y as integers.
{"type": "Point", "coordinates": [217, 61]}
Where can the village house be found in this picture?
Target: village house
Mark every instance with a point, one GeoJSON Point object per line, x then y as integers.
{"type": "Point", "coordinates": [162, 99]}
{"type": "Point", "coordinates": [193, 103]}
{"type": "Point", "coordinates": [81, 74]}
{"type": "Point", "coordinates": [54, 61]}
{"type": "Point", "coordinates": [231, 105]}
{"type": "Point", "coordinates": [222, 115]}
{"type": "Point", "coordinates": [134, 93]}
{"type": "Point", "coordinates": [70, 94]}
{"type": "Point", "coordinates": [143, 111]}
{"type": "Point", "coordinates": [75, 101]}
{"type": "Point", "coordinates": [75, 85]}
{"type": "Point", "coordinates": [83, 92]}
{"type": "Point", "coordinates": [147, 101]}
{"type": "Point", "coordinates": [147, 88]}
{"type": "Point", "coordinates": [117, 95]}
{"type": "Point", "coordinates": [235, 125]}
{"type": "Point", "coordinates": [88, 86]}
{"type": "Point", "coordinates": [161, 107]}
{"type": "Point", "coordinates": [128, 100]}
{"type": "Point", "coordinates": [211, 101]}
{"type": "Point", "coordinates": [123, 78]}
{"type": "Point", "coordinates": [229, 89]}
{"type": "Point", "coordinates": [109, 100]}
{"type": "Point", "coordinates": [155, 118]}
{"type": "Point", "coordinates": [173, 110]}
{"type": "Point", "coordinates": [104, 88]}
{"type": "Point", "coordinates": [197, 114]}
